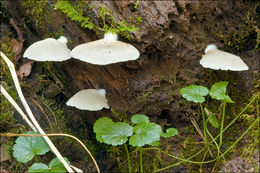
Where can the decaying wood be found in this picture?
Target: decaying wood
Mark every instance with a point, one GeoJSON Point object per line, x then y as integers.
{"type": "Point", "coordinates": [171, 40]}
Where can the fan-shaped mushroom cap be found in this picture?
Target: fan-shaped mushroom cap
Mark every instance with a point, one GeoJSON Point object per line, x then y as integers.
{"type": "Point", "coordinates": [89, 99]}
{"type": "Point", "coordinates": [105, 51]}
{"type": "Point", "coordinates": [48, 49]}
{"type": "Point", "coordinates": [217, 59]}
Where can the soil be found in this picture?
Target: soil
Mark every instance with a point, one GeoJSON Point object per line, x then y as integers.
{"type": "Point", "coordinates": [171, 39]}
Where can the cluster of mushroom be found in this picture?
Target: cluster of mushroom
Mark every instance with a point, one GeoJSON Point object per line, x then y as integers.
{"type": "Point", "coordinates": [107, 51]}
{"type": "Point", "coordinates": [100, 52]}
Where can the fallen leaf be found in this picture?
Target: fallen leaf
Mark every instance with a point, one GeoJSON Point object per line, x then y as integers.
{"type": "Point", "coordinates": [25, 69]}
{"type": "Point", "coordinates": [16, 46]}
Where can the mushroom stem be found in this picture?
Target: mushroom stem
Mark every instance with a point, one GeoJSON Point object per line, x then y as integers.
{"type": "Point", "coordinates": [110, 36]}
{"type": "Point", "coordinates": [63, 40]}
{"type": "Point", "coordinates": [210, 47]}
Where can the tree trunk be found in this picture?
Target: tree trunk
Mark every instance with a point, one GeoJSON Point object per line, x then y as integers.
{"type": "Point", "coordinates": [171, 39]}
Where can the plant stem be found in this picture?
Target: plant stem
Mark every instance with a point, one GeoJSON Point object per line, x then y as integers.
{"type": "Point", "coordinates": [222, 123]}
{"type": "Point", "coordinates": [128, 158]}
{"type": "Point", "coordinates": [141, 160]}
{"type": "Point", "coordinates": [204, 129]}
{"type": "Point", "coordinates": [210, 161]}
{"type": "Point", "coordinates": [250, 127]}
{"type": "Point", "coordinates": [189, 161]}
{"type": "Point", "coordinates": [214, 142]}
{"type": "Point", "coordinates": [252, 100]}
{"type": "Point", "coordinates": [166, 144]}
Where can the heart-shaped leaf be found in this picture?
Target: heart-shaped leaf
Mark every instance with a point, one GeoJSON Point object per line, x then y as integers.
{"type": "Point", "coordinates": [170, 132]}
{"type": "Point", "coordinates": [218, 91]}
{"type": "Point", "coordinates": [99, 125]}
{"type": "Point", "coordinates": [145, 133]}
{"type": "Point", "coordinates": [26, 147]}
{"type": "Point", "coordinates": [194, 93]}
{"type": "Point", "coordinates": [116, 133]}
{"type": "Point", "coordinates": [54, 166]}
{"type": "Point", "coordinates": [139, 118]}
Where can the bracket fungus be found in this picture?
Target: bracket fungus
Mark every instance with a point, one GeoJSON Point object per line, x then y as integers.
{"type": "Point", "coordinates": [105, 51]}
{"type": "Point", "coordinates": [48, 49]}
{"type": "Point", "coordinates": [217, 59]}
{"type": "Point", "coordinates": [89, 99]}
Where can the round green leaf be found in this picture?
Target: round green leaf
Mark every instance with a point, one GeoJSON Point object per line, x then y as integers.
{"type": "Point", "coordinates": [56, 166]}
{"type": "Point", "coordinates": [139, 118]}
{"type": "Point", "coordinates": [38, 167]}
{"type": "Point", "coordinates": [116, 133]}
{"type": "Point", "coordinates": [194, 93]}
{"type": "Point", "coordinates": [26, 148]}
{"type": "Point", "coordinates": [218, 91]}
{"type": "Point", "coordinates": [145, 133]}
{"type": "Point", "coordinates": [99, 125]}
{"type": "Point", "coordinates": [170, 132]}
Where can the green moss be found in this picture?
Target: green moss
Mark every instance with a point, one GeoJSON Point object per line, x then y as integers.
{"type": "Point", "coordinates": [247, 35]}
{"type": "Point", "coordinates": [143, 97]}
{"type": "Point", "coordinates": [54, 110]}
{"type": "Point", "coordinates": [8, 122]}
{"type": "Point", "coordinates": [35, 9]}
{"type": "Point", "coordinates": [57, 34]}
{"type": "Point", "coordinates": [80, 11]}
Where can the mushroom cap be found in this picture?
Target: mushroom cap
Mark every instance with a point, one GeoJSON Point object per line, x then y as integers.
{"type": "Point", "coordinates": [89, 99]}
{"type": "Point", "coordinates": [103, 52]}
{"type": "Point", "coordinates": [217, 59]}
{"type": "Point", "coordinates": [48, 49]}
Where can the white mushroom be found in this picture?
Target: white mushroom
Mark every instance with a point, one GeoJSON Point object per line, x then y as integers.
{"type": "Point", "coordinates": [105, 51]}
{"type": "Point", "coordinates": [48, 49]}
{"type": "Point", "coordinates": [217, 59]}
{"type": "Point", "coordinates": [89, 99]}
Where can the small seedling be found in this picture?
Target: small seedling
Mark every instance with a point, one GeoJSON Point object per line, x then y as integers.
{"type": "Point", "coordinates": [196, 93]}
{"type": "Point", "coordinates": [143, 133]}
{"type": "Point", "coordinates": [217, 91]}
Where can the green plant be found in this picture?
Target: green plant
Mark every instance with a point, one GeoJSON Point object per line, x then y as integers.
{"type": "Point", "coordinates": [247, 34]}
{"type": "Point", "coordinates": [26, 148]}
{"type": "Point", "coordinates": [221, 90]}
{"type": "Point", "coordinates": [54, 166]}
{"type": "Point", "coordinates": [142, 133]}
{"type": "Point", "coordinates": [196, 94]}
{"type": "Point", "coordinates": [78, 13]}
{"type": "Point", "coordinates": [75, 13]}
{"type": "Point", "coordinates": [35, 9]}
